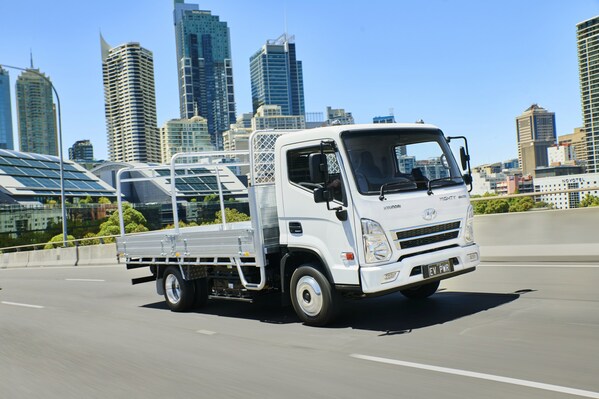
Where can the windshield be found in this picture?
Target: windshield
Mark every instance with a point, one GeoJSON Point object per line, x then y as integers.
{"type": "Point", "coordinates": [400, 160]}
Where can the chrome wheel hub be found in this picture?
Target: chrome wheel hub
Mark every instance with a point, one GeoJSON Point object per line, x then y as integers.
{"type": "Point", "coordinates": [172, 289]}
{"type": "Point", "coordinates": [309, 296]}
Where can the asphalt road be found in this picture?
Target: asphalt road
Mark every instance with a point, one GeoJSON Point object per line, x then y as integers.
{"type": "Point", "coordinates": [504, 331]}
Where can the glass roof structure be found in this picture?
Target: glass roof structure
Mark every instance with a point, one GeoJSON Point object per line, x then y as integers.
{"type": "Point", "coordinates": [30, 177]}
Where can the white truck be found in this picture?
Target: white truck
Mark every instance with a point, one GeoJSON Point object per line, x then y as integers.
{"type": "Point", "coordinates": [354, 210]}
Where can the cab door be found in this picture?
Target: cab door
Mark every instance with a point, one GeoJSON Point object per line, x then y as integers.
{"type": "Point", "coordinates": [307, 225]}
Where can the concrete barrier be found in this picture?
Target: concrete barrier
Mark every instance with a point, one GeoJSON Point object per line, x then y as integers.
{"type": "Point", "coordinates": [570, 235]}
{"type": "Point", "coordinates": [97, 255]}
{"type": "Point", "coordinates": [14, 259]}
{"type": "Point", "coordinates": [544, 236]}
{"type": "Point", "coordinates": [53, 257]}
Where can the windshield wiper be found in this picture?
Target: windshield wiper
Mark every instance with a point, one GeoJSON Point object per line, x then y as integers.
{"type": "Point", "coordinates": [400, 185]}
{"type": "Point", "coordinates": [449, 179]}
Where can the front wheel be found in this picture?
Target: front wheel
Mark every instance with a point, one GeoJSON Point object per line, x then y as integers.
{"type": "Point", "coordinates": [422, 291]}
{"type": "Point", "coordinates": [178, 293]}
{"type": "Point", "coordinates": [313, 298]}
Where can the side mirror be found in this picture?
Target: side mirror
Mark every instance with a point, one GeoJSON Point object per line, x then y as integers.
{"type": "Point", "coordinates": [322, 195]}
{"type": "Point", "coordinates": [317, 164]}
{"type": "Point", "coordinates": [467, 179]}
{"type": "Point", "coordinates": [464, 158]}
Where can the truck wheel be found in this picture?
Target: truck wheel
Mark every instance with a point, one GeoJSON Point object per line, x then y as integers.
{"type": "Point", "coordinates": [201, 292]}
{"type": "Point", "coordinates": [178, 293]}
{"type": "Point", "coordinates": [313, 298]}
{"type": "Point", "coordinates": [422, 291]}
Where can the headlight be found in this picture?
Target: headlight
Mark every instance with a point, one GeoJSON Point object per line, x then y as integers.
{"type": "Point", "coordinates": [376, 246]}
{"type": "Point", "coordinates": [469, 228]}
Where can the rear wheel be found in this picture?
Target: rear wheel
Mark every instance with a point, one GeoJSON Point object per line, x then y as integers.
{"type": "Point", "coordinates": [178, 293]}
{"type": "Point", "coordinates": [313, 298]}
{"type": "Point", "coordinates": [422, 291]}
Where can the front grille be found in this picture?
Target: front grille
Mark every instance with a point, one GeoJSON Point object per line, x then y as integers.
{"type": "Point", "coordinates": [428, 235]}
{"type": "Point", "coordinates": [401, 235]}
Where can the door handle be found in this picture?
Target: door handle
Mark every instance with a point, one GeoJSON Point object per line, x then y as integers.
{"type": "Point", "coordinates": [295, 228]}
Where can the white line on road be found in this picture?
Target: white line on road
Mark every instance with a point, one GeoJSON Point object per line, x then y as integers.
{"type": "Point", "coordinates": [206, 332]}
{"type": "Point", "coordinates": [22, 305]}
{"type": "Point", "coordinates": [85, 279]}
{"type": "Point", "coordinates": [482, 376]}
{"type": "Point", "coordinates": [557, 266]}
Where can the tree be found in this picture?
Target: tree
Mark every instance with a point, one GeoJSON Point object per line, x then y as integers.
{"type": "Point", "coordinates": [521, 204]}
{"type": "Point", "coordinates": [86, 200]}
{"type": "Point", "coordinates": [589, 200]}
{"type": "Point", "coordinates": [57, 241]}
{"type": "Point", "coordinates": [181, 224]}
{"type": "Point", "coordinates": [232, 215]}
{"type": "Point", "coordinates": [133, 220]}
{"type": "Point", "coordinates": [103, 201]}
{"type": "Point", "coordinates": [497, 206]}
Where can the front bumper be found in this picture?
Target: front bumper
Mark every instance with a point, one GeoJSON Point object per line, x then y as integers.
{"type": "Point", "coordinates": [394, 276]}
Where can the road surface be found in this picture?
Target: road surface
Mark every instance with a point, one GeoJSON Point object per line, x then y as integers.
{"type": "Point", "coordinates": [505, 331]}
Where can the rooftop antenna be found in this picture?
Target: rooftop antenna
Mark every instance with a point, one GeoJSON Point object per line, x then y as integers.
{"type": "Point", "coordinates": [31, 57]}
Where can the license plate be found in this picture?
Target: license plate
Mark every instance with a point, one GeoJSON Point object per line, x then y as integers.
{"type": "Point", "coordinates": [436, 269]}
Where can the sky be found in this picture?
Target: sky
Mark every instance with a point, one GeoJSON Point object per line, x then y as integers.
{"type": "Point", "coordinates": [469, 67]}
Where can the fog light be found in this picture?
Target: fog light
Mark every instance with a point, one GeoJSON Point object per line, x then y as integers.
{"type": "Point", "coordinates": [389, 277]}
{"type": "Point", "coordinates": [473, 256]}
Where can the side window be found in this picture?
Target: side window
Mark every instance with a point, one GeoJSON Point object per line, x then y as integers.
{"type": "Point", "coordinates": [299, 173]}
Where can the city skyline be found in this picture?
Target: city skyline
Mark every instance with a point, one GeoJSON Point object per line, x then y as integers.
{"type": "Point", "coordinates": [467, 73]}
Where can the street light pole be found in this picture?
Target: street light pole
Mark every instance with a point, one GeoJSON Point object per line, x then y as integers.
{"type": "Point", "coordinates": [61, 162]}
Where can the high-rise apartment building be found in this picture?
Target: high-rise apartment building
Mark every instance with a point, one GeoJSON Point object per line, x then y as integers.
{"type": "Point", "coordinates": [588, 66]}
{"type": "Point", "coordinates": [36, 114]}
{"type": "Point", "coordinates": [271, 117]}
{"type": "Point", "coordinates": [338, 116]}
{"type": "Point", "coordinates": [82, 150]}
{"type": "Point", "coordinates": [130, 103]}
{"type": "Point", "coordinates": [6, 140]}
{"type": "Point", "coordinates": [535, 133]}
{"type": "Point", "coordinates": [578, 140]}
{"type": "Point", "coordinates": [184, 135]}
{"type": "Point", "coordinates": [205, 68]}
{"type": "Point", "coordinates": [277, 78]}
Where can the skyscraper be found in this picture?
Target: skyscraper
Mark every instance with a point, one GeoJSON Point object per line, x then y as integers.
{"type": "Point", "coordinates": [205, 68]}
{"type": "Point", "coordinates": [588, 66]}
{"type": "Point", "coordinates": [184, 135]}
{"type": "Point", "coordinates": [535, 133]}
{"type": "Point", "coordinates": [277, 78]}
{"type": "Point", "coordinates": [36, 114]}
{"type": "Point", "coordinates": [82, 150]}
{"type": "Point", "coordinates": [130, 103]}
{"type": "Point", "coordinates": [6, 141]}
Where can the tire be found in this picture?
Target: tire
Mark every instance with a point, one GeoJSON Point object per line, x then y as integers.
{"type": "Point", "coordinates": [179, 294]}
{"type": "Point", "coordinates": [201, 292]}
{"type": "Point", "coordinates": [314, 300]}
{"type": "Point", "coordinates": [422, 291]}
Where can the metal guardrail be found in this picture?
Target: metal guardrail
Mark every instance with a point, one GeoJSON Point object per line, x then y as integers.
{"type": "Point", "coordinates": [534, 194]}
{"type": "Point", "coordinates": [33, 247]}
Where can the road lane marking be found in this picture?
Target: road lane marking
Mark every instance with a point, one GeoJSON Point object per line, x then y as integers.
{"type": "Point", "coordinates": [481, 376]}
{"type": "Point", "coordinates": [549, 266]}
{"type": "Point", "coordinates": [206, 332]}
{"type": "Point", "coordinates": [85, 279]}
{"type": "Point", "coordinates": [24, 305]}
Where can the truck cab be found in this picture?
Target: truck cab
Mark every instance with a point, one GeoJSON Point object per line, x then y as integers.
{"type": "Point", "coordinates": [368, 209]}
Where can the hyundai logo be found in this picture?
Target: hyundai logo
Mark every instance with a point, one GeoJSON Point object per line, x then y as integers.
{"type": "Point", "coordinates": [429, 214]}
